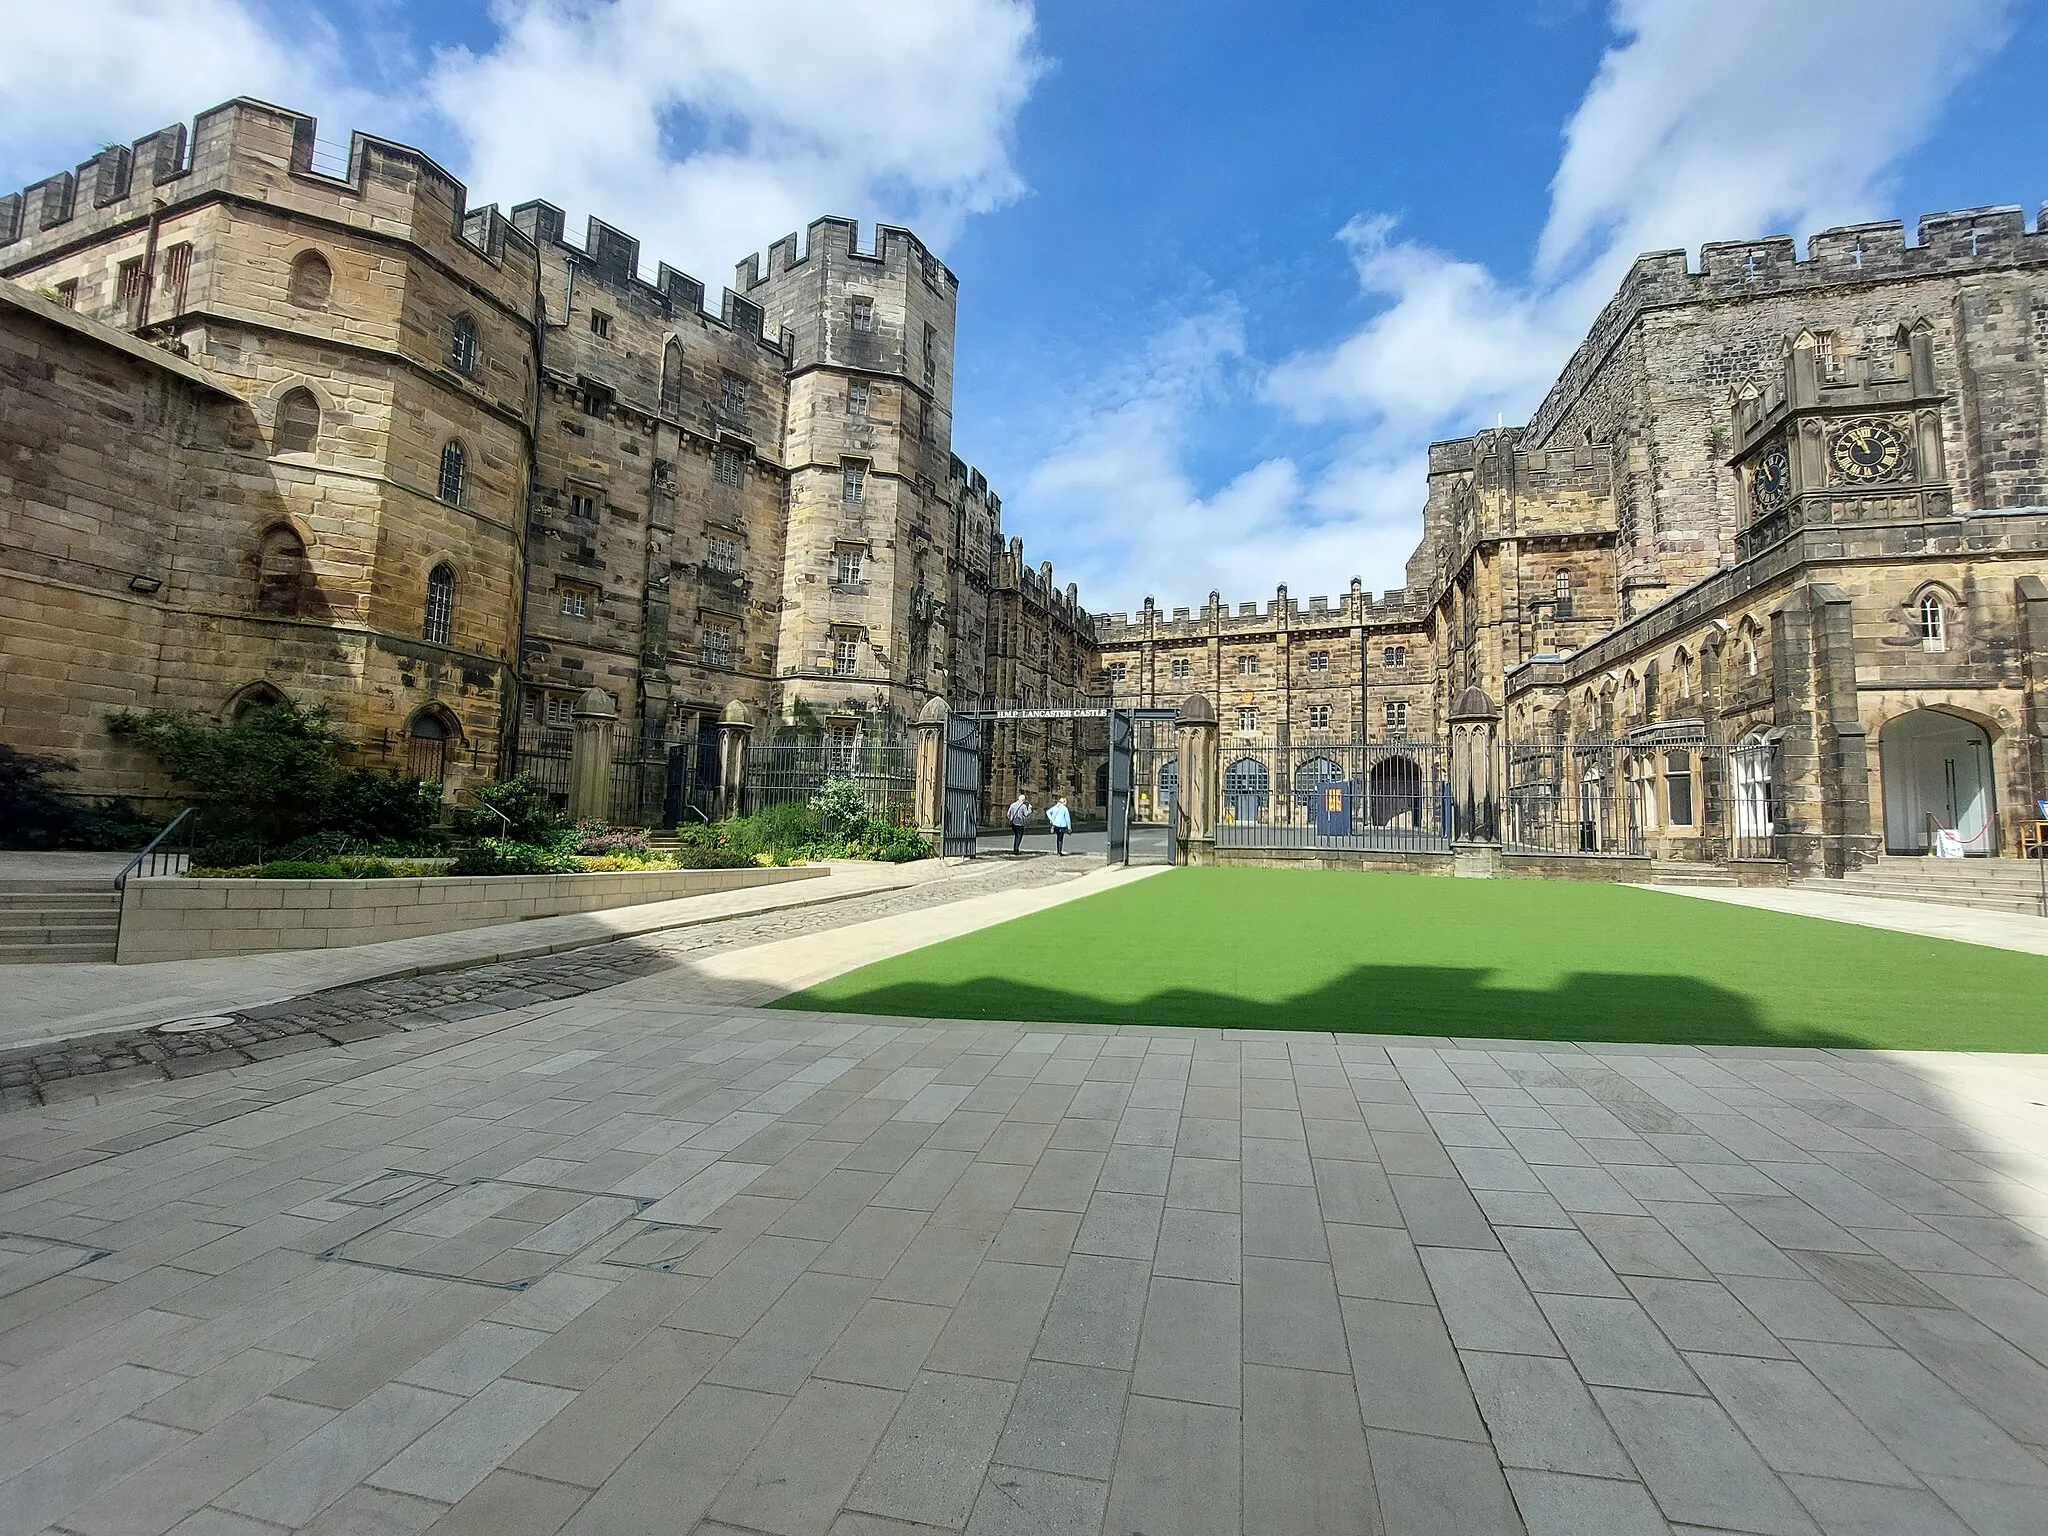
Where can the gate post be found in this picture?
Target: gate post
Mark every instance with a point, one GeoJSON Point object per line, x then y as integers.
{"type": "Point", "coordinates": [590, 757]}
{"type": "Point", "coordinates": [734, 726]}
{"type": "Point", "coordinates": [1198, 748]}
{"type": "Point", "coordinates": [1475, 777]}
{"type": "Point", "coordinates": [929, 799]}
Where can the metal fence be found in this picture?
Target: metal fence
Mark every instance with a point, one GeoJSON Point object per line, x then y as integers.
{"type": "Point", "coordinates": [652, 785]}
{"type": "Point", "coordinates": [791, 772]}
{"type": "Point", "coordinates": [1370, 797]}
{"type": "Point", "coordinates": [1671, 794]}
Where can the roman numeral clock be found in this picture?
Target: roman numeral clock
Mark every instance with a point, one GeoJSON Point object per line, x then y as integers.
{"type": "Point", "coordinates": [1860, 443]}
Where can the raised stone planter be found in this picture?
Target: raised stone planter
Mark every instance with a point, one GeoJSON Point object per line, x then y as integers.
{"type": "Point", "coordinates": [179, 919]}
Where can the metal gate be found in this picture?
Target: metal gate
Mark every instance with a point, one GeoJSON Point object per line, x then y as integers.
{"type": "Point", "coordinates": [1119, 804]}
{"type": "Point", "coordinates": [963, 787]}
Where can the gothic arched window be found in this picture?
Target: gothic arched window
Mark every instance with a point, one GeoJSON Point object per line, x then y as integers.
{"type": "Point", "coordinates": [453, 464]}
{"type": "Point", "coordinates": [281, 572]}
{"type": "Point", "coordinates": [1933, 624]}
{"type": "Point", "coordinates": [298, 422]}
{"type": "Point", "coordinates": [440, 616]}
{"type": "Point", "coordinates": [462, 345]}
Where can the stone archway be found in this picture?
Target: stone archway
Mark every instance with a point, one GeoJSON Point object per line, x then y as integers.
{"type": "Point", "coordinates": [1937, 772]}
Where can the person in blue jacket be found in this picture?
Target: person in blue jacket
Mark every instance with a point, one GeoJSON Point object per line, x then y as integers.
{"type": "Point", "coordinates": [1062, 821]}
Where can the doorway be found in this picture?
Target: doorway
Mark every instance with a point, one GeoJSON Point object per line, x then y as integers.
{"type": "Point", "coordinates": [1937, 774]}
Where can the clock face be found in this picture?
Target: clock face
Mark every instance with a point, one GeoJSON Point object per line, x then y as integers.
{"type": "Point", "coordinates": [1773, 478]}
{"type": "Point", "coordinates": [1868, 451]}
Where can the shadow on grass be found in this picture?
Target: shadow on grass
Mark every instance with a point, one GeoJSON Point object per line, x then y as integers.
{"type": "Point", "coordinates": [1371, 999]}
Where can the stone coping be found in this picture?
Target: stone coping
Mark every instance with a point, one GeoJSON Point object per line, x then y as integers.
{"type": "Point", "coordinates": [177, 918]}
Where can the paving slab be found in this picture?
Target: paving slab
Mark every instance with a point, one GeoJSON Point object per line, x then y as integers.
{"type": "Point", "coordinates": [823, 1275]}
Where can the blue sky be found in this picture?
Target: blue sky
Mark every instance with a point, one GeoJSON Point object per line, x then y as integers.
{"type": "Point", "coordinates": [1226, 269]}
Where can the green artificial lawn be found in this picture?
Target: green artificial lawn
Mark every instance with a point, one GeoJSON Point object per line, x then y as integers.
{"type": "Point", "coordinates": [1501, 959]}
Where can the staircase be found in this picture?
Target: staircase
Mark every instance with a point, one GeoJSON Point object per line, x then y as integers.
{"type": "Point", "coordinates": [43, 921]}
{"type": "Point", "coordinates": [1990, 885]}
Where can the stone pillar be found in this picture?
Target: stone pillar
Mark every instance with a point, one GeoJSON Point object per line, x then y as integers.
{"type": "Point", "coordinates": [2032, 592]}
{"type": "Point", "coordinates": [929, 801]}
{"type": "Point", "coordinates": [1198, 759]}
{"type": "Point", "coordinates": [734, 726]}
{"type": "Point", "coordinates": [1475, 774]}
{"type": "Point", "coordinates": [590, 759]}
{"type": "Point", "coordinates": [1825, 756]}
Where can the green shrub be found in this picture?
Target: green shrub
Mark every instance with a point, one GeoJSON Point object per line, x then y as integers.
{"type": "Point", "coordinates": [267, 775]}
{"type": "Point", "coordinates": [520, 801]}
{"type": "Point", "coordinates": [841, 809]}
{"type": "Point", "coordinates": [502, 856]}
{"type": "Point", "coordinates": [383, 808]}
{"type": "Point", "coordinates": [34, 815]}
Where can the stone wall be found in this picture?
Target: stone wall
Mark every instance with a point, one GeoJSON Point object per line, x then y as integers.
{"type": "Point", "coordinates": [179, 919]}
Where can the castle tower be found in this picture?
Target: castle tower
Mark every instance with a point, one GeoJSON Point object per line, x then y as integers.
{"type": "Point", "coordinates": [867, 573]}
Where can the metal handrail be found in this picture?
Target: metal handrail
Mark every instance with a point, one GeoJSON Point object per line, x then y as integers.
{"type": "Point", "coordinates": [149, 853]}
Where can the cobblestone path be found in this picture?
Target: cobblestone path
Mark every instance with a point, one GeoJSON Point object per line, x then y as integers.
{"type": "Point", "coordinates": [76, 1069]}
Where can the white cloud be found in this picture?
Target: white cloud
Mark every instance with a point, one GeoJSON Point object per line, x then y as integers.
{"type": "Point", "coordinates": [1707, 119]}
{"type": "Point", "coordinates": [707, 129]}
{"type": "Point", "coordinates": [703, 127]}
{"type": "Point", "coordinates": [75, 76]}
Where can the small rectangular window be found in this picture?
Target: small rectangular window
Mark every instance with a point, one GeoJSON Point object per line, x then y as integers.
{"type": "Point", "coordinates": [1117, 671]}
{"type": "Point", "coordinates": [1678, 787]}
{"type": "Point", "coordinates": [560, 709]}
{"type": "Point", "coordinates": [600, 323]}
{"type": "Point", "coordinates": [67, 293]}
{"type": "Point", "coordinates": [1248, 718]}
{"type": "Point", "coordinates": [1319, 661]}
{"type": "Point", "coordinates": [846, 568]}
{"type": "Point", "coordinates": [177, 268]}
{"type": "Point", "coordinates": [128, 281]}
{"type": "Point", "coordinates": [1181, 669]}
{"type": "Point", "coordinates": [845, 654]}
{"type": "Point", "coordinates": [931, 356]}
{"type": "Point", "coordinates": [735, 396]}
{"type": "Point", "coordinates": [717, 646]}
{"type": "Point", "coordinates": [853, 486]}
{"type": "Point", "coordinates": [1397, 715]}
{"type": "Point", "coordinates": [723, 555]}
{"type": "Point", "coordinates": [856, 399]}
{"type": "Point", "coordinates": [1319, 717]}
{"type": "Point", "coordinates": [843, 747]}
{"type": "Point", "coordinates": [595, 399]}
{"type": "Point", "coordinates": [1396, 656]}
{"type": "Point", "coordinates": [576, 602]}
{"type": "Point", "coordinates": [863, 314]}
{"type": "Point", "coordinates": [1247, 666]}
{"type": "Point", "coordinates": [725, 466]}
{"type": "Point", "coordinates": [582, 504]}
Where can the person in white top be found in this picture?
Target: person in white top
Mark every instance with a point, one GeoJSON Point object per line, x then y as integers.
{"type": "Point", "coordinates": [1020, 815]}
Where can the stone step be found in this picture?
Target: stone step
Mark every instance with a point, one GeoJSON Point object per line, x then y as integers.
{"type": "Point", "coordinates": [23, 927]}
{"type": "Point", "coordinates": [60, 901]}
{"type": "Point", "coordinates": [61, 952]}
{"type": "Point", "coordinates": [2019, 903]}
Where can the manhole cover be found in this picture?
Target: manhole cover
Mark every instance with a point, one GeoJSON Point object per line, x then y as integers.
{"type": "Point", "coordinates": [196, 1026]}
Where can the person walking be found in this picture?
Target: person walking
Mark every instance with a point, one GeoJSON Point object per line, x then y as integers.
{"type": "Point", "coordinates": [1062, 821]}
{"type": "Point", "coordinates": [1020, 815]}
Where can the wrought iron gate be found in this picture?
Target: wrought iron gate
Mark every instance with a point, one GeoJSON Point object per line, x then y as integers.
{"type": "Point", "coordinates": [1119, 806]}
{"type": "Point", "coordinates": [963, 770]}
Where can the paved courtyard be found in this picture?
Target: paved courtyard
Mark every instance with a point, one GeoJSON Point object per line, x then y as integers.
{"type": "Point", "coordinates": [650, 1259]}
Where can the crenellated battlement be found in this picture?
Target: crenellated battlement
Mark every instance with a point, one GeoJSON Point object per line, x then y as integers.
{"type": "Point", "coordinates": [1397, 608]}
{"type": "Point", "coordinates": [834, 237]}
{"type": "Point", "coordinates": [1959, 243]}
{"type": "Point", "coordinates": [610, 258]}
{"type": "Point", "coordinates": [263, 154]}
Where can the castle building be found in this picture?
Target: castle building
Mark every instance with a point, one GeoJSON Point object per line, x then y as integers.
{"type": "Point", "coordinates": [447, 472]}
{"type": "Point", "coordinates": [1763, 580]}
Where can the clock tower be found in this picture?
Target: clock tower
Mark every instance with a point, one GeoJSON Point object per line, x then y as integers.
{"type": "Point", "coordinates": [1848, 439]}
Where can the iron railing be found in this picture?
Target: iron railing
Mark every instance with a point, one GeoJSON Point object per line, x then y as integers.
{"type": "Point", "coordinates": [1379, 796]}
{"type": "Point", "coordinates": [168, 853]}
{"type": "Point", "coordinates": [791, 772]}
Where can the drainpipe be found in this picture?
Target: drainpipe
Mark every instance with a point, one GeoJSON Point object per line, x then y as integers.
{"type": "Point", "coordinates": [156, 218]}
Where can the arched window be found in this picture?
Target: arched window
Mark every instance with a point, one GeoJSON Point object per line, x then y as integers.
{"type": "Point", "coordinates": [281, 572]}
{"type": "Point", "coordinates": [1749, 653]}
{"type": "Point", "coordinates": [453, 463]}
{"type": "Point", "coordinates": [298, 422]}
{"type": "Point", "coordinates": [1933, 624]}
{"type": "Point", "coordinates": [440, 618]}
{"type": "Point", "coordinates": [672, 373]}
{"type": "Point", "coordinates": [462, 345]}
{"type": "Point", "coordinates": [255, 697]}
{"type": "Point", "coordinates": [426, 747]}
{"type": "Point", "coordinates": [1245, 785]}
{"type": "Point", "coordinates": [311, 281]}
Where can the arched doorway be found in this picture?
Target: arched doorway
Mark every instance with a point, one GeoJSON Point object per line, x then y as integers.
{"type": "Point", "coordinates": [1394, 793]}
{"type": "Point", "coordinates": [428, 740]}
{"type": "Point", "coordinates": [1937, 773]}
{"type": "Point", "coordinates": [1245, 786]}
